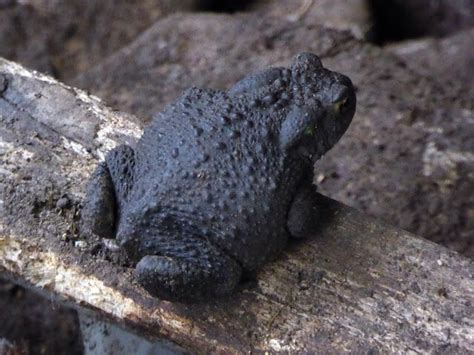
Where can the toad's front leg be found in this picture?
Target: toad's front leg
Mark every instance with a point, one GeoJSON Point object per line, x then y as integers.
{"type": "Point", "coordinates": [303, 217]}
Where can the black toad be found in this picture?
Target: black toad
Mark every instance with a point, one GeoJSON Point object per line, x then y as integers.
{"type": "Point", "coordinates": [220, 180]}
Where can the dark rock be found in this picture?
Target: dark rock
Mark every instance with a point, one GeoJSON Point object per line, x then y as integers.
{"type": "Point", "coordinates": [395, 20]}
{"type": "Point", "coordinates": [36, 325]}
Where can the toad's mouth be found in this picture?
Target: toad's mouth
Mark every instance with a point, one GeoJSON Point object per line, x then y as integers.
{"type": "Point", "coordinates": [314, 148]}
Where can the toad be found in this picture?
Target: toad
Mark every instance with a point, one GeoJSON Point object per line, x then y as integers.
{"type": "Point", "coordinates": [220, 180]}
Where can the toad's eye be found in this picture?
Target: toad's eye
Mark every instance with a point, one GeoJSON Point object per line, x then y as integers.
{"type": "Point", "coordinates": [341, 104]}
{"type": "Point", "coordinates": [340, 97]}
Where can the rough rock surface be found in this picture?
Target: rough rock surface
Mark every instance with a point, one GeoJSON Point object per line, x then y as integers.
{"type": "Point", "coordinates": [64, 38]}
{"type": "Point", "coordinates": [408, 156]}
{"type": "Point", "coordinates": [353, 15]}
{"type": "Point", "coordinates": [448, 60]}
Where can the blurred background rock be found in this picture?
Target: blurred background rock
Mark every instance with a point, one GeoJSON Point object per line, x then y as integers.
{"type": "Point", "coordinates": [408, 157]}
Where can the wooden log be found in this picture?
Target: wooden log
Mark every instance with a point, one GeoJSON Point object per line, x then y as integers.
{"type": "Point", "coordinates": [359, 285]}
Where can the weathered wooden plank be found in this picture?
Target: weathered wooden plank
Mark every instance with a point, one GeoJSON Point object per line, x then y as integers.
{"type": "Point", "coordinates": [358, 285]}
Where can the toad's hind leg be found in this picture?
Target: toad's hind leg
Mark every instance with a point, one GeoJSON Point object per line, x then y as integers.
{"type": "Point", "coordinates": [106, 192]}
{"type": "Point", "coordinates": [188, 270]}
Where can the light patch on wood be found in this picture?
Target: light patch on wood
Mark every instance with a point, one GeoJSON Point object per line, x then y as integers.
{"type": "Point", "coordinates": [16, 69]}
{"type": "Point", "coordinates": [111, 126]}
{"type": "Point", "coordinates": [44, 269]}
{"type": "Point", "coordinates": [74, 146]}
